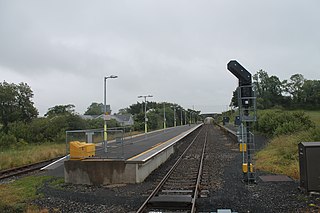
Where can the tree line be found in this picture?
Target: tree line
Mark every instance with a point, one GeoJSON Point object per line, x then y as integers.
{"type": "Point", "coordinates": [293, 93]}
{"type": "Point", "coordinates": [155, 114]}
{"type": "Point", "coordinates": [20, 123]}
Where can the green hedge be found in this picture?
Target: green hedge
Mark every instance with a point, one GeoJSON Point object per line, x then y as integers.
{"type": "Point", "coordinates": [278, 122]}
{"type": "Point", "coordinates": [47, 129]}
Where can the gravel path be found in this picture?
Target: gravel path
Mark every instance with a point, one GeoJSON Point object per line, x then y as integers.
{"type": "Point", "coordinates": [225, 188]}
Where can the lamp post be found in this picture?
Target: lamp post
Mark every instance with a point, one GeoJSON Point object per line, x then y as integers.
{"type": "Point", "coordinates": [105, 133]}
{"type": "Point", "coordinates": [185, 117]}
{"type": "Point", "coordinates": [174, 116]}
{"type": "Point", "coordinates": [181, 118]}
{"type": "Point", "coordinates": [164, 116]}
{"type": "Point", "coordinates": [145, 111]}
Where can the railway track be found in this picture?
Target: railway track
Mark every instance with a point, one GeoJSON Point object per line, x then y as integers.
{"type": "Point", "coordinates": [25, 169]}
{"type": "Point", "coordinates": [179, 189]}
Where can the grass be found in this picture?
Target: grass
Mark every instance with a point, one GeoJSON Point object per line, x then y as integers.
{"type": "Point", "coordinates": [57, 182]}
{"type": "Point", "coordinates": [32, 153]}
{"type": "Point", "coordinates": [314, 116]}
{"type": "Point", "coordinates": [281, 154]}
{"type": "Point", "coordinates": [16, 195]}
{"type": "Point", "coordinates": [15, 157]}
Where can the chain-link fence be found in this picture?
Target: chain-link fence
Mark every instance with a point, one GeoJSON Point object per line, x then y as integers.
{"type": "Point", "coordinates": [82, 141]}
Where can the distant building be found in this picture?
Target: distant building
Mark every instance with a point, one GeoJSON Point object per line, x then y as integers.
{"type": "Point", "coordinates": [124, 120]}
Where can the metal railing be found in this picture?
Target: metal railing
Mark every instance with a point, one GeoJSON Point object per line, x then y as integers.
{"type": "Point", "coordinates": [113, 148]}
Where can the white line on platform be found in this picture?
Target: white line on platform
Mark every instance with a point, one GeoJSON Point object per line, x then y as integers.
{"type": "Point", "coordinates": [54, 162]}
{"type": "Point", "coordinates": [63, 158]}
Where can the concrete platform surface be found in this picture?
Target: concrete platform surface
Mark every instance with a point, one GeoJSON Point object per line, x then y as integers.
{"type": "Point", "coordinates": [134, 146]}
{"type": "Point", "coordinates": [140, 156]}
{"type": "Point", "coordinates": [129, 161]}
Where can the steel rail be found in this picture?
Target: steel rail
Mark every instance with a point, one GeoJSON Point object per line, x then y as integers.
{"type": "Point", "coordinates": [25, 169]}
{"type": "Point", "coordinates": [196, 191]}
{"type": "Point", "coordinates": [161, 183]}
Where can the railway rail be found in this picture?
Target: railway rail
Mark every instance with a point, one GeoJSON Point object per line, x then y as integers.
{"type": "Point", "coordinates": [25, 169]}
{"type": "Point", "coordinates": [179, 189]}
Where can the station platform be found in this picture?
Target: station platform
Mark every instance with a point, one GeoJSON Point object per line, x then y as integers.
{"type": "Point", "coordinates": [230, 130]}
{"type": "Point", "coordinates": [130, 161]}
{"type": "Point", "coordinates": [141, 147]}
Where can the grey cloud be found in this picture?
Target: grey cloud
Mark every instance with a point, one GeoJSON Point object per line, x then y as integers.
{"type": "Point", "coordinates": [177, 50]}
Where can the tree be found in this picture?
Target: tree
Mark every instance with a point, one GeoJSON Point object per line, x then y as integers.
{"type": "Point", "coordinates": [297, 92]}
{"type": "Point", "coordinates": [136, 108]}
{"type": "Point", "coordinates": [310, 94]}
{"type": "Point", "coordinates": [260, 81]}
{"type": "Point", "coordinates": [274, 90]}
{"type": "Point", "coordinates": [94, 109]}
{"type": "Point", "coordinates": [234, 99]}
{"type": "Point", "coordinates": [155, 120]}
{"type": "Point", "coordinates": [50, 129]}
{"type": "Point", "coordinates": [60, 110]}
{"type": "Point", "coordinates": [123, 111]}
{"type": "Point", "coordinates": [155, 114]}
{"type": "Point", "coordinates": [16, 104]}
{"type": "Point", "coordinates": [27, 110]}
{"type": "Point", "coordinates": [294, 87]}
{"type": "Point", "coordinates": [268, 89]}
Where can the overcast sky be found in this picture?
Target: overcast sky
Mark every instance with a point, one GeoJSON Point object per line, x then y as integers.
{"type": "Point", "coordinates": [176, 51]}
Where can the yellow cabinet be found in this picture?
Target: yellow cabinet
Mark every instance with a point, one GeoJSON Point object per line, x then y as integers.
{"type": "Point", "coordinates": [80, 150]}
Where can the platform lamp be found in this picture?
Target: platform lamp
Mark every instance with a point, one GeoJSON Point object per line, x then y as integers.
{"type": "Point", "coordinates": [164, 116]}
{"type": "Point", "coordinates": [145, 111]}
{"type": "Point", "coordinates": [181, 117]}
{"type": "Point", "coordinates": [105, 132]}
{"type": "Point", "coordinates": [174, 116]}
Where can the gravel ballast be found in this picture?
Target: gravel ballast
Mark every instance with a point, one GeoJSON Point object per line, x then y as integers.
{"type": "Point", "coordinates": [223, 186]}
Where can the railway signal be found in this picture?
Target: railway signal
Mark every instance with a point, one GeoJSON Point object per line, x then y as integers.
{"type": "Point", "coordinates": [247, 113]}
{"type": "Point", "coordinates": [240, 72]}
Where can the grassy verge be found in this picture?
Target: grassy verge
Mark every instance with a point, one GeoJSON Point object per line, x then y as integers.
{"type": "Point", "coordinates": [281, 154]}
{"type": "Point", "coordinates": [30, 154]}
{"type": "Point", "coordinates": [57, 182]}
{"type": "Point", "coordinates": [16, 195]}
{"type": "Point", "coordinates": [314, 116]}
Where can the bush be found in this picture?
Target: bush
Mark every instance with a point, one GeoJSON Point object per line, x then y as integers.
{"type": "Point", "coordinates": [138, 126]}
{"type": "Point", "coordinates": [42, 130]}
{"type": "Point", "coordinates": [315, 134]}
{"type": "Point", "coordinates": [7, 140]}
{"type": "Point", "coordinates": [48, 129]}
{"type": "Point", "coordinates": [278, 122]}
{"type": "Point", "coordinates": [95, 123]}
